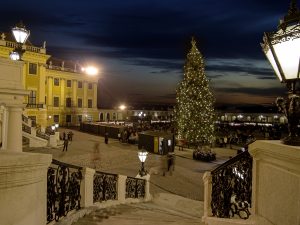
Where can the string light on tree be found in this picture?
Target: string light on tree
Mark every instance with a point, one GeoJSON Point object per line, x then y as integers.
{"type": "Point", "coordinates": [194, 111]}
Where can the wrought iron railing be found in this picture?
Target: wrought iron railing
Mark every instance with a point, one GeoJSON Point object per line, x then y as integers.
{"type": "Point", "coordinates": [232, 187]}
{"type": "Point", "coordinates": [63, 190]}
{"type": "Point", "coordinates": [42, 135]}
{"type": "Point", "coordinates": [135, 188]}
{"type": "Point", "coordinates": [26, 128]}
{"type": "Point", "coordinates": [105, 186]}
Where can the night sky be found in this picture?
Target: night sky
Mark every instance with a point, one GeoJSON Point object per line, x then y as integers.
{"type": "Point", "coordinates": [140, 45]}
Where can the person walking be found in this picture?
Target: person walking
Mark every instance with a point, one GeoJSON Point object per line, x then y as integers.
{"type": "Point", "coordinates": [225, 141]}
{"type": "Point", "coordinates": [106, 138]}
{"type": "Point", "coordinates": [119, 136]}
{"type": "Point", "coordinates": [70, 136]}
{"type": "Point", "coordinates": [66, 143]}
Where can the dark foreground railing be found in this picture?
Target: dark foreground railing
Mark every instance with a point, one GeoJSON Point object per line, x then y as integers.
{"type": "Point", "coordinates": [232, 187]}
{"type": "Point", "coordinates": [63, 189]}
{"type": "Point", "coordinates": [135, 188]}
{"type": "Point", "coordinates": [105, 186]}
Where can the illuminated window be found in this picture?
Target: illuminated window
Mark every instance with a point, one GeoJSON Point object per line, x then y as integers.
{"type": "Point", "coordinates": [90, 103]}
{"type": "Point", "coordinates": [56, 101]}
{"type": "Point", "coordinates": [56, 118]}
{"type": "Point", "coordinates": [69, 83]}
{"type": "Point", "coordinates": [32, 68]}
{"type": "Point", "coordinates": [68, 118]}
{"type": "Point", "coordinates": [79, 103]}
{"type": "Point", "coordinates": [56, 81]}
{"type": "Point", "coordinates": [32, 98]}
{"type": "Point", "coordinates": [68, 102]}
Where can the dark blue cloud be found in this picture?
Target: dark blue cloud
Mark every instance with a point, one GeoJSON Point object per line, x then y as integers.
{"type": "Point", "coordinates": [152, 34]}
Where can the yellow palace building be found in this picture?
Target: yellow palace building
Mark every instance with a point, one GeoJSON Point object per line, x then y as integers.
{"type": "Point", "coordinates": [59, 92]}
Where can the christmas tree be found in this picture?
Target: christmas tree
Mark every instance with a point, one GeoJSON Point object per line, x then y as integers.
{"type": "Point", "coordinates": [194, 110]}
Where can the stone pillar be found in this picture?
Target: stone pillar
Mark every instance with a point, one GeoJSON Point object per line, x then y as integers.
{"type": "Point", "coordinates": [74, 96]}
{"type": "Point", "coordinates": [87, 187]}
{"type": "Point", "coordinates": [4, 128]}
{"type": "Point", "coordinates": [23, 188]}
{"type": "Point", "coordinates": [275, 183]}
{"type": "Point", "coordinates": [50, 92]}
{"type": "Point", "coordinates": [147, 188]}
{"type": "Point", "coordinates": [14, 134]}
{"type": "Point", "coordinates": [207, 180]}
{"type": "Point", "coordinates": [121, 188]}
{"type": "Point", "coordinates": [94, 95]}
{"type": "Point", "coordinates": [41, 99]}
{"type": "Point", "coordinates": [85, 99]}
{"type": "Point", "coordinates": [62, 92]}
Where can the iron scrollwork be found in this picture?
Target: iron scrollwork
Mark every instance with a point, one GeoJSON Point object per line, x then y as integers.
{"type": "Point", "coordinates": [232, 187]}
{"type": "Point", "coordinates": [105, 186]}
{"type": "Point", "coordinates": [135, 188]}
{"type": "Point", "coordinates": [63, 190]}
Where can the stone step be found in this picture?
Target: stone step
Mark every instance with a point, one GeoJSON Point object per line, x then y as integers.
{"type": "Point", "coordinates": [139, 213]}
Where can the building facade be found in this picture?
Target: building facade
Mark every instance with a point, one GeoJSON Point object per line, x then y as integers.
{"type": "Point", "coordinates": [59, 92]}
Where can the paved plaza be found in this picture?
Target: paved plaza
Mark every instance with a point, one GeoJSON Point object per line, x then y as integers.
{"type": "Point", "coordinates": [121, 158]}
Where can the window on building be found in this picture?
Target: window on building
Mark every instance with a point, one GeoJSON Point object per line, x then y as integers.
{"type": "Point", "coordinates": [90, 86]}
{"type": "Point", "coordinates": [79, 103]}
{"type": "Point", "coordinates": [32, 98]}
{"type": "Point", "coordinates": [79, 84]}
{"type": "Point", "coordinates": [68, 102]}
{"type": "Point", "coordinates": [68, 118]}
{"type": "Point", "coordinates": [90, 103]}
{"type": "Point", "coordinates": [45, 99]}
{"type": "Point", "coordinates": [79, 118]}
{"type": "Point", "coordinates": [69, 83]}
{"type": "Point", "coordinates": [56, 81]}
{"type": "Point", "coordinates": [56, 101]}
{"type": "Point", "coordinates": [56, 118]}
{"type": "Point", "coordinates": [32, 68]}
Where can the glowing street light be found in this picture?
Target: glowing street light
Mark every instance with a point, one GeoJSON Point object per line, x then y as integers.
{"type": "Point", "coordinates": [282, 49]}
{"type": "Point", "coordinates": [90, 70]}
{"type": "Point", "coordinates": [142, 156]}
{"type": "Point", "coordinates": [20, 34]}
{"type": "Point", "coordinates": [122, 107]}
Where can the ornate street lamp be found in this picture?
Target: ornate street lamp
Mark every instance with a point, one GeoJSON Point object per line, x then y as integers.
{"type": "Point", "coordinates": [20, 34]}
{"type": "Point", "coordinates": [142, 156]}
{"type": "Point", "coordinates": [282, 49]}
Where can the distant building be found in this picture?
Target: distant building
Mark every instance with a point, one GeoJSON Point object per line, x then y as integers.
{"type": "Point", "coordinates": [59, 91]}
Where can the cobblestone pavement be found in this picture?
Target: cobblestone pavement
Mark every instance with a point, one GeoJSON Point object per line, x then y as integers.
{"type": "Point", "coordinates": [115, 157]}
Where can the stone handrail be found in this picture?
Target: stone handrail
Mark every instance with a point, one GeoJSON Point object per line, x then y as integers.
{"type": "Point", "coordinates": [42, 135]}
{"type": "Point", "coordinates": [26, 128]}
{"type": "Point", "coordinates": [29, 48]}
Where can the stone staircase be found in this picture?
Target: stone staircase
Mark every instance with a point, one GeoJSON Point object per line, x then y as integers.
{"type": "Point", "coordinates": [33, 135]}
{"type": "Point", "coordinates": [164, 209]}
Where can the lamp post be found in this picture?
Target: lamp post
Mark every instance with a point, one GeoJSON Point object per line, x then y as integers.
{"type": "Point", "coordinates": [282, 49]}
{"type": "Point", "coordinates": [20, 34]}
{"type": "Point", "coordinates": [142, 156]}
